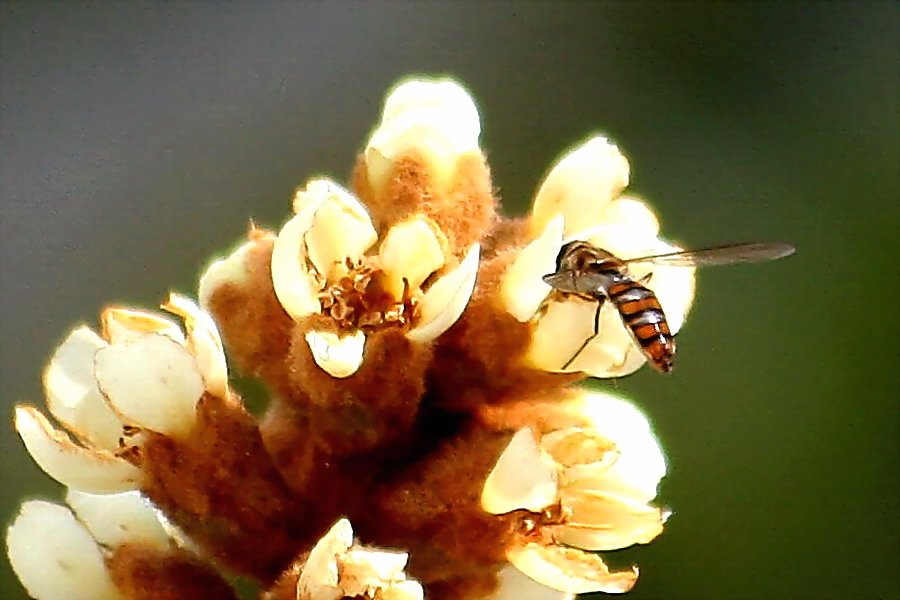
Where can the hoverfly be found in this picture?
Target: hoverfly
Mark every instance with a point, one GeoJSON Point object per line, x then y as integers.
{"type": "Point", "coordinates": [595, 274]}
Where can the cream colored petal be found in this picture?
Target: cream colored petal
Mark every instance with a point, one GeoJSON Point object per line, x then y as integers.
{"type": "Point", "coordinates": [295, 286]}
{"type": "Point", "coordinates": [629, 213]}
{"type": "Point", "coordinates": [341, 229]}
{"type": "Point", "coordinates": [72, 393]}
{"type": "Point", "coordinates": [601, 521]}
{"type": "Point", "coordinates": [152, 382]}
{"type": "Point", "coordinates": [523, 478]}
{"type": "Point", "coordinates": [319, 579]}
{"type": "Point", "coordinates": [95, 471]}
{"type": "Point", "coordinates": [515, 585]}
{"type": "Point", "coordinates": [55, 557]}
{"type": "Point", "coordinates": [115, 519]}
{"type": "Point", "coordinates": [203, 341]}
{"type": "Point", "coordinates": [411, 251]}
{"type": "Point", "coordinates": [362, 571]}
{"type": "Point", "coordinates": [124, 325]}
{"type": "Point", "coordinates": [569, 570]}
{"type": "Point", "coordinates": [403, 590]}
{"type": "Point", "coordinates": [229, 270]}
{"type": "Point", "coordinates": [559, 334]}
{"type": "Point", "coordinates": [339, 356]}
{"type": "Point", "coordinates": [522, 290]}
{"type": "Point", "coordinates": [446, 299]}
{"type": "Point", "coordinates": [444, 95]}
{"type": "Point", "coordinates": [580, 186]}
{"type": "Point", "coordinates": [641, 464]}
{"type": "Point", "coordinates": [610, 351]}
{"type": "Point", "coordinates": [437, 120]}
{"type": "Point", "coordinates": [579, 448]}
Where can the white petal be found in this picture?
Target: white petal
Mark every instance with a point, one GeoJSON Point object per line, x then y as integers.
{"type": "Point", "coordinates": [403, 590]}
{"type": "Point", "coordinates": [338, 356]}
{"type": "Point", "coordinates": [569, 570]}
{"type": "Point", "coordinates": [523, 478]}
{"type": "Point", "coordinates": [341, 229]}
{"type": "Point", "coordinates": [410, 251]}
{"type": "Point", "coordinates": [601, 521]}
{"type": "Point", "coordinates": [295, 287]}
{"type": "Point", "coordinates": [231, 269]}
{"type": "Point", "coordinates": [124, 325]}
{"type": "Point", "coordinates": [446, 299]}
{"type": "Point", "coordinates": [522, 289]}
{"type": "Point", "coordinates": [319, 578]}
{"type": "Point", "coordinates": [435, 119]}
{"type": "Point", "coordinates": [580, 185]}
{"type": "Point", "coordinates": [641, 463]}
{"type": "Point", "coordinates": [514, 585]}
{"type": "Point", "coordinates": [579, 448]}
{"type": "Point", "coordinates": [152, 382]}
{"type": "Point", "coordinates": [629, 213]}
{"type": "Point", "coordinates": [366, 570]}
{"type": "Point", "coordinates": [559, 334]}
{"type": "Point", "coordinates": [55, 557]}
{"type": "Point", "coordinates": [72, 393]}
{"type": "Point", "coordinates": [95, 471]}
{"type": "Point", "coordinates": [444, 95]}
{"type": "Point", "coordinates": [203, 342]}
{"type": "Point", "coordinates": [613, 349]}
{"type": "Point", "coordinates": [116, 519]}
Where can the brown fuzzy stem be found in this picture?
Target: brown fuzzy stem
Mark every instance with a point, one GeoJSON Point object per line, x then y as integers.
{"type": "Point", "coordinates": [255, 328]}
{"type": "Point", "coordinates": [220, 486]}
{"type": "Point", "coordinates": [433, 510]}
{"type": "Point", "coordinates": [145, 573]}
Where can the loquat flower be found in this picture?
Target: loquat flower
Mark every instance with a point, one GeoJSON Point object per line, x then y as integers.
{"type": "Point", "coordinates": [338, 567]}
{"type": "Point", "coordinates": [581, 199]}
{"type": "Point", "coordinates": [587, 477]}
{"type": "Point", "coordinates": [143, 373]}
{"type": "Point", "coordinates": [107, 547]}
{"type": "Point", "coordinates": [321, 267]}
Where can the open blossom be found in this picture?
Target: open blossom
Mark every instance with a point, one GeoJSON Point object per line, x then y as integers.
{"type": "Point", "coordinates": [321, 267]}
{"type": "Point", "coordinates": [422, 378]}
{"type": "Point", "coordinates": [101, 548]}
{"type": "Point", "coordinates": [580, 199]}
{"type": "Point", "coordinates": [337, 567]}
{"type": "Point", "coordinates": [142, 373]}
{"type": "Point", "coordinates": [588, 477]}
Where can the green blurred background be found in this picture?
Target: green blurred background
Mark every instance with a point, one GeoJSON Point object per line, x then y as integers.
{"type": "Point", "coordinates": [137, 139]}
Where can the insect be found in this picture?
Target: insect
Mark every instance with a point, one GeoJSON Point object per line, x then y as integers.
{"type": "Point", "coordinates": [593, 273]}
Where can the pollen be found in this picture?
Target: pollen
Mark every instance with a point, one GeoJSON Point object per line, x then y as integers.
{"type": "Point", "coordinates": [360, 300]}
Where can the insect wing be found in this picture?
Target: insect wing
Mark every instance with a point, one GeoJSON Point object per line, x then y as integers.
{"type": "Point", "coordinates": [731, 254]}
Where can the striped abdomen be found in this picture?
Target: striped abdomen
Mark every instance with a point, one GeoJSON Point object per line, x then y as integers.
{"type": "Point", "coordinates": [644, 317]}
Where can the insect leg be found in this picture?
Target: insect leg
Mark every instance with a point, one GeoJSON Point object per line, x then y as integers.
{"type": "Point", "coordinates": [590, 337]}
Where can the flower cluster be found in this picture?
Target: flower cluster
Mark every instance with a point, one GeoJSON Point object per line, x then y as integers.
{"type": "Point", "coordinates": [422, 388]}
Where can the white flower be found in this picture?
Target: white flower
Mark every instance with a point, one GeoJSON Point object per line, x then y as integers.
{"type": "Point", "coordinates": [323, 263]}
{"type": "Point", "coordinates": [58, 555]}
{"type": "Point", "coordinates": [337, 568]}
{"type": "Point", "coordinates": [144, 373]}
{"type": "Point", "coordinates": [592, 476]}
{"type": "Point", "coordinates": [437, 119]}
{"type": "Point", "coordinates": [579, 200]}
